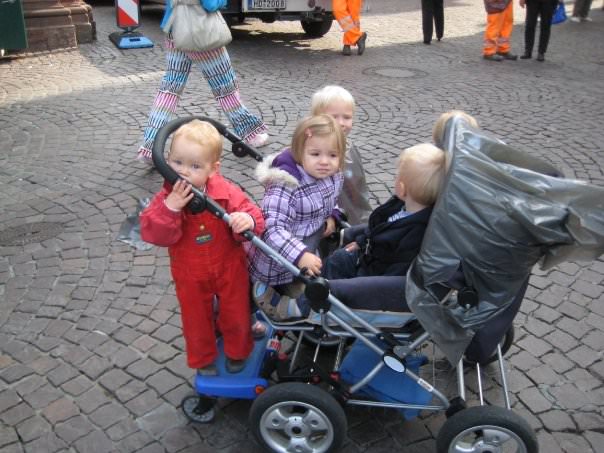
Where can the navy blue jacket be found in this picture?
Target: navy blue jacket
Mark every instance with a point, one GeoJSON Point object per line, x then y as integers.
{"type": "Point", "coordinates": [388, 248]}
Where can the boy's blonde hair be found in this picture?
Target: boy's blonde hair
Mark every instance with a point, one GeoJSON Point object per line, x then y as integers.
{"type": "Point", "coordinates": [328, 95]}
{"type": "Point", "coordinates": [422, 169]}
{"type": "Point", "coordinates": [438, 131]}
{"type": "Point", "coordinates": [204, 134]}
{"type": "Point", "coordinates": [322, 126]}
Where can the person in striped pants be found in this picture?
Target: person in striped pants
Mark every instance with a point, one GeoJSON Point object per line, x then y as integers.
{"type": "Point", "coordinates": [216, 68]}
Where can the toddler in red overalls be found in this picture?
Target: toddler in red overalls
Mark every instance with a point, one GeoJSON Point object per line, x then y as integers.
{"type": "Point", "coordinates": [206, 256]}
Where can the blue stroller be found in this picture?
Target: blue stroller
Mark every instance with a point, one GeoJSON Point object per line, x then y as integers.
{"type": "Point", "coordinates": [500, 213]}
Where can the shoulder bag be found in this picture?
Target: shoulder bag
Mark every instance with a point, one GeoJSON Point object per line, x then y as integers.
{"type": "Point", "coordinates": [193, 28]}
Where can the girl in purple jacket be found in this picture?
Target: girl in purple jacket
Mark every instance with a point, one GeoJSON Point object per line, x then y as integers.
{"type": "Point", "coordinates": [299, 205]}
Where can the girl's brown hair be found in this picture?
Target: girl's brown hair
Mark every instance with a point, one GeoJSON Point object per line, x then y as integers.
{"type": "Point", "coordinates": [322, 126]}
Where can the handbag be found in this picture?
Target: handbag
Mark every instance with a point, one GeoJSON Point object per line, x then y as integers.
{"type": "Point", "coordinates": [192, 28]}
{"type": "Point", "coordinates": [559, 15]}
{"type": "Point", "coordinates": [213, 5]}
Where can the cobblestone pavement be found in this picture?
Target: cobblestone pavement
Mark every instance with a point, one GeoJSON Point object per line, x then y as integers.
{"type": "Point", "coordinates": [91, 354]}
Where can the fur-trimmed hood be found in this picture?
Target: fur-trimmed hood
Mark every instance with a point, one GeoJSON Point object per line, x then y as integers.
{"type": "Point", "coordinates": [280, 168]}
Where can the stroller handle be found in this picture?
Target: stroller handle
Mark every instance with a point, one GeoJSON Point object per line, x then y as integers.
{"type": "Point", "coordinates": [200, 200]}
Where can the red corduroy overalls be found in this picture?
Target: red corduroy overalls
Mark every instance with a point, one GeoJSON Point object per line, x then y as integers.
{"type": "Point", "coordinates": [208, 262]}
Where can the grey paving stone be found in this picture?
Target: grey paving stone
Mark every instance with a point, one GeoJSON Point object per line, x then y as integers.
{"type": "Point", "coordinates": [32, 428]}
{"type": "Point", "coordinates": [15, 373]}
{"type": "Point", "coordinates": [534, 400]}
{"type": "Point", "coordinates": [571, 442]}
{"type": "Point", "coordinates": [135, 442]}
{"type": "Point", "coordinates": [42, 396]}
{"type": "Point", "coordinates": [568, 396]}
{"type": "Point", "coordinates": [163, 381]}
{"type": "Point", "coordinates": [8, 398]}
{"type": "Point", "coordinates": [142, 369]}
{"type": "Point", "coordinates": [547, 442]}
{"type": "Point", "coordinates": [73, 429]}
{"type": "Point", "coordinates": [557, 420]}
{"type": "Point", "coordinates": [16, 414]}
{"type": "Point", "coordinates": [108, 415]}
{"type": "Point", "coordinates": [96, 441]}
{"type": "Point", "coordinates": [544, 375]}
{"type": "Point", "coordinates": [48, 443]}
{"type": "Point", "coordinates": [92, 399]}
{"type": "Point", "coordinates": [8, 435]}
{"type": "Point", "coordinates": [143, 403]}
{"type": "Point", "coordinates": [163, 419]}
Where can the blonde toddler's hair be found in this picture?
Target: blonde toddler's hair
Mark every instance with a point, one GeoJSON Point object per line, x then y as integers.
{"type": "Point", "coordinates": [328, 95]}
{"type": "Point", "coordinates": [422, 169]}
{"type": "Point", "coordinates": [438, 131]}
{"type": "Point", "coordinates": [322, 126]}
{"type": "Point", "coordinates": [204, 134]}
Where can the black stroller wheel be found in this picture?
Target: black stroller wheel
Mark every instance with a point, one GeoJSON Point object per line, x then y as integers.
{"type": "Point", "coordinates": [484, 429]}
{"type": "Point", "coordinates": [505, 343]}
{"type": "Point", "coordinates": [294, 417]}
{"type": "Point", "coordinates": [198, 409]}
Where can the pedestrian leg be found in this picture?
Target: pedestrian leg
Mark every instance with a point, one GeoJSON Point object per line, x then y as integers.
{"type": "Point", "coordinates": [439, 19]}
{"type": "Point", "coordinates": [178, 67]}
{"type": "Point", "coordinates": [216, 68]}
{"type": "Point", "coordinates": [530, 25]}
{"type": "Point", "coordinates": [427, 20]}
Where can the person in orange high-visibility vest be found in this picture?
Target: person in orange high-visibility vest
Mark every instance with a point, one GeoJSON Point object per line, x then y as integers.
{"type": "Point", "coordinates": [348, 15]}
{"type": "Point", "coordinates": [500, 21]}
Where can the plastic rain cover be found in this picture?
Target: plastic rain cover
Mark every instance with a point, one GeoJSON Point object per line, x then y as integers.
{"type": "Point", "coordinates": [500, 212]}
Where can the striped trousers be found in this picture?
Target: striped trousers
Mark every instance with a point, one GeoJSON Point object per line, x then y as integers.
{"type": "Point", "coordinates": [215, 65]}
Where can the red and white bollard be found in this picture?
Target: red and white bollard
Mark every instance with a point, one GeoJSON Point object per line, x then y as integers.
{"type": "Point", "coordinates": [127, 18]}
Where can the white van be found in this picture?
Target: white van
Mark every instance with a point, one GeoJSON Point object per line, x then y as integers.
{"type": "Point", "coordinates": [314, 15]}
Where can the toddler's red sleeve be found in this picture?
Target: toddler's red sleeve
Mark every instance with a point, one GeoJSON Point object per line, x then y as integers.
{"type": "Point", "coordinates": [160, 225]}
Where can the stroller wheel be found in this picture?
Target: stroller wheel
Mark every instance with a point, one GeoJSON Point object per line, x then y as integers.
{"type": "Point", "coordinates": [297, 417]}
{"type": "Point", "coordinates": [486, 428]}
{"type": "Point", "coordinates": [198, 409]}
{"type": "Point", "coordinates": [505, 343]}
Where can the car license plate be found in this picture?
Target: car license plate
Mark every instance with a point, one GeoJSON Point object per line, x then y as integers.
{"type": "Point", "coordinates": [267, 4]}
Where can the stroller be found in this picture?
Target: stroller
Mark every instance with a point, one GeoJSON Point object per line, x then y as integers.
{"type": "Point", "coordinates": [500, 213]}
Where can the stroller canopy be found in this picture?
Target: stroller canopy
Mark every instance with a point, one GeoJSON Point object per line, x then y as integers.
{"type": "Point", "coordinates": [500, 212]}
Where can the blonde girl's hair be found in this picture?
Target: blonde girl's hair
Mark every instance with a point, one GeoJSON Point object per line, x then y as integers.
{"type": "Point", "coordinates": [322, 126]}
{"type": "Point", "coordinates": [438, 131]}
{"type": "Point", "coordinates": [204, 134]}
{"type": "Point", "coordinates": [327, 96]}
{"type": "Point", "coordinates": [422, 169]}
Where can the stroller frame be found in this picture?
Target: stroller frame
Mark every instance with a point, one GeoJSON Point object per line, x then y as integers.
{"type": "Point", "coordinates": [306, 418]}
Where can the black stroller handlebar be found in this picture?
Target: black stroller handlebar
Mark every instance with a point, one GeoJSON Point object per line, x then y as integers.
{"type": "Point", "coordinates": [200, 201]}
{"type": "Point", "coordinates": [319, 288]}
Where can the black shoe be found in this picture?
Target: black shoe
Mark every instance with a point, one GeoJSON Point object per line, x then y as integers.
{"type": "Point", "coordinates": [208, 370]}
{"type": "Point", "coordinates": [235, 366]}
{"type": "Point", "coordinates": [438, 38]}
{"type": "Point", "coordinates": [361, 44]}
{"type": "Point", "coordinates": [508, 56]}
{"type": "Point", "coordinates": [346, 50]}
{"type": "Point", "coordinates": [494, 57]}
{"type": "Point", "coordinates": [526, 56]}
{"type": "Point", "coordinates": [540, 57]}
{"type": "Point", "coordinates": [426, 42]}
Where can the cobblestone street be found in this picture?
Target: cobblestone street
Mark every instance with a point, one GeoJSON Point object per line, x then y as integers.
{"type": "Point", "coordinates": [91, 351]}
